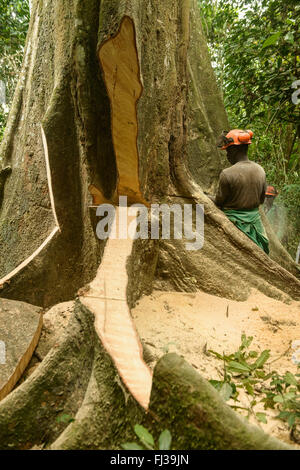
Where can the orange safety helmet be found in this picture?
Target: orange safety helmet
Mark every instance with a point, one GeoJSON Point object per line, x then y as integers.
{"type": "Point", "coordinates": [271, 191]}
{"type": "Point", "coordinates": [235, 137]}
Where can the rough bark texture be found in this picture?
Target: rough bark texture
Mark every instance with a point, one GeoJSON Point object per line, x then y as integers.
{"type": "Point", "coordinates": [228, 259]}
{"type": "Point", "coordinates": [28, 415]}
{"type": "Point", "coordinates": [61, 87]}
{"type": "Point", "coordinates": [197, 415]}
{"type": "Point", "coordinates": [178, 116]}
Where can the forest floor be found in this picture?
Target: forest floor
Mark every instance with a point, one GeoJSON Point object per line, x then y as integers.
{"type": "Point", "coordinates": [192, 324]}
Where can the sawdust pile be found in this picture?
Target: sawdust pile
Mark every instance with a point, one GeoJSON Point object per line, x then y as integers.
{"type": "Point", "coordinates": [192, 324]}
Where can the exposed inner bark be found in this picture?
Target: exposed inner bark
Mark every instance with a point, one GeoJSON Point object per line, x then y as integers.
{"type": "Point", "coordinates": [119, 61]}
{"type": "Point", "coordinates": [23, 327]}
{"type": "Point", "coordinates": [28, 415]}
{"type": "Point", "coordinates": [60, 87]}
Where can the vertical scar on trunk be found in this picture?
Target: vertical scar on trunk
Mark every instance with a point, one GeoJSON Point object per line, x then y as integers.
{"type": "Point", "coordinates": [106, 296]}
{"type": "Point", "coordinates": [120, 66]}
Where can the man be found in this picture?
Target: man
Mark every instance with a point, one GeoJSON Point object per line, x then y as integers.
{"type": "Point", "coordinates": [271, 194]}
{"type": "Point", "coordinates": [242, 187]}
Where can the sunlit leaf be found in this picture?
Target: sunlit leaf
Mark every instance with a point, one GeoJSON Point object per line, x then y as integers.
{"type": "Point", "coordinates": [289, 37]}
{"type": "Point", "coordinates": [144, 435]}
{"type": "Point", "coordinates": [165, 440]}
{"type": "Point", "coordinates": [131, 446]}
{"type": "Point", "coordinates": [262, 359]}
{"type": "Point", "coordinates": [278, 399]}
{"type": "Point", "coordinates": [238, 367]}
{"type": "Point", "coordinates": [271, 40]}
{"type": "Point", "coordinates": [291, 379]}
{"type": "Point", "coordinates": [262, 417]}
{"type": "Point", "coordinates": [226, 391]}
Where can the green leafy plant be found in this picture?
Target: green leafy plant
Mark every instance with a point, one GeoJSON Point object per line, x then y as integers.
{"type": "Point", "coordinates": [65, 418]}
{"type": "Point", "coordinates": [147, 440]}
{"type": "Point", "coordinates": [246, 370]}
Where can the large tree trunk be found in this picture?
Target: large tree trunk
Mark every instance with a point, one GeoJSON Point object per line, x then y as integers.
{"type": "Point", "coordinates": [115, 98]}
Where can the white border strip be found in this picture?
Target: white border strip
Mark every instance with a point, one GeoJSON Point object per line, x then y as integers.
{"type": "Point", "coordinates": [54, 231]}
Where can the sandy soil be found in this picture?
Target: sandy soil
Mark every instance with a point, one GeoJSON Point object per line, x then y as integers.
{"type": "Point", "coordinates": [191, 324]}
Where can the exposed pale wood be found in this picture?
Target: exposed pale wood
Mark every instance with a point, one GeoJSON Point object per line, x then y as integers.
{"type": "Point", "coordinates": [106, 298]}
{"type": "Point", "coordinates": [21, 352]}
{"type": "Point", "coordinates": [120, 65]}
{"type": "Point", "coordinates": [49, 179]}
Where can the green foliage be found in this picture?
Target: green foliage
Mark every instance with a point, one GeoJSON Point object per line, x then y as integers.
{"type": "Point", "coordinates": [255, 53]}
{"type": "Point", "coordinates": [14, 20]}
{"type": "Point", "coordinates": [165, 440]}
{"type": "Point", "coordinates": [147, 440]}
{"type": "Point", "coordinates": [3, 118]}
{"type": "Point", "coordinates": [260, 54]}
{"type": "Point", "coordinates": [246, 369]}
{"type": "Point", "coordinates": [65, 418]}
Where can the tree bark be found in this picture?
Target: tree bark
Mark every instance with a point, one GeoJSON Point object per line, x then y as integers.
{"type": "Point", "coordinates": [196, 413]}
{"type": "Point", "coordinates": [78, 378]}
{"type": "Point", "coordinates": [66, 146]}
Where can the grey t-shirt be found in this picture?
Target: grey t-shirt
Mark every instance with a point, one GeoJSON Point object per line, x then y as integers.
{"type": "Point", "coordinates": [242, 186]}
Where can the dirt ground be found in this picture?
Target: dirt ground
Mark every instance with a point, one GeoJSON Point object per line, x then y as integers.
{"type": "Point", "coordinates": [192, 324]}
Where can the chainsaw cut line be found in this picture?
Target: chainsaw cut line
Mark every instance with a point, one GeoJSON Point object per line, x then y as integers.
{"type": "Point", "coordinates": [49, 179]}
{"type": "Point", "coordinates": [56, 229]}
{"type": "Point", "coordinates": [29, 259]}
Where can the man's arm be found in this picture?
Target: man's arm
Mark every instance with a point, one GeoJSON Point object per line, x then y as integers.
{"type": "Point", "coordinates": [263, 194]}
{"type": "Point", "coordinates": [223, 191]}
